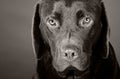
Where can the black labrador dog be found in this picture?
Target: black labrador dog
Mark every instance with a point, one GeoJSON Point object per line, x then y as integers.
{"type": "Point", "coordinates": [71, 41]}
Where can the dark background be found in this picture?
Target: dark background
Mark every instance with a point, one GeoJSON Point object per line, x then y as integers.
{"type": "Point", "coordinates": [17, 60]}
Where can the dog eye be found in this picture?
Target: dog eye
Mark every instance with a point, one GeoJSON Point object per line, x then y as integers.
{"type": "Point", "coordinates": [86, 21]}
{"type": "Point", "coordinates": [52, 23]}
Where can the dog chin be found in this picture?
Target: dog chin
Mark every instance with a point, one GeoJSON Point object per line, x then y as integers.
{"type": "Point", "coordinates": [73, 73]}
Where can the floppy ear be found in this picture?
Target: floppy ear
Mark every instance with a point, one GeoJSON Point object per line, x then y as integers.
{"type": "Point", "coordinates": [38, 42]}
{"type": "Point", "coordinates": [102, 46]}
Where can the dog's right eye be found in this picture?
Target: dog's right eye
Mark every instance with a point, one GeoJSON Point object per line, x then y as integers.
{"type": "Point", "coordinates": [52, 23]}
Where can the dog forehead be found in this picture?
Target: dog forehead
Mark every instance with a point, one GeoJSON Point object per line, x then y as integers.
{"type": "Point", "coordinates": [60, 6]}
{"type": "Point", "coordinates": [69, 2]}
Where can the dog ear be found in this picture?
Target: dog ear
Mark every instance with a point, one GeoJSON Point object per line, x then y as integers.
{"type": "Point", "coordinates": [38, 41]}
{"type": "Point", "coordinates": [102, 46]}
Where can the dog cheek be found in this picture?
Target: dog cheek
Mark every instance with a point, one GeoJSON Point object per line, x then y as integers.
{"type": "Point", "coordinates": [52, 48]}
{"type": "Point", "coordinates": [95, 31]}
{"type": "Point", "coordinates": [54, 53]}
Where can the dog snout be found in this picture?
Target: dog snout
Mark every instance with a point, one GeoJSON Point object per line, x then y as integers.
{"type": "Point", "coordinates": [69, 53]}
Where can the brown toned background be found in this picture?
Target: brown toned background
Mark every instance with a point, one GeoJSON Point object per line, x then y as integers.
{"type": "Point", "coordinates": [16, 55]}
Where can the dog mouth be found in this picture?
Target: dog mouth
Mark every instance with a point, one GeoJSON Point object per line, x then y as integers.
{"type": "Point", "coordinates": [73, 73]}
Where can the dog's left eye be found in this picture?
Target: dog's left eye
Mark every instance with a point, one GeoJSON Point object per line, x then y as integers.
{"type": "Point", "coordinates": [86, 21]}
{"type": "Point", "coordinates": [52, 23]}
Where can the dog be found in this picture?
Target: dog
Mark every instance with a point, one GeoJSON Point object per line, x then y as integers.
{"type": "Point", "coordinates": [71, 41]}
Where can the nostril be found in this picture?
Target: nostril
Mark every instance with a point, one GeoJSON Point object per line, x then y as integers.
{"type": "Point", "coordinates": [66, 54]}
{"type": "Point", "coordinates": [73, 54]}
{"type": "Point", "coordinates": [70, 54]}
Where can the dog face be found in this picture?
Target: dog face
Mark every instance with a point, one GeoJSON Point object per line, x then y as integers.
{"type": "Point", "coordinates": [71, 30]}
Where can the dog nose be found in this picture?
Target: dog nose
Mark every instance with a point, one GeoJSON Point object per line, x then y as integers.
{"type": "Point", "coordinates": [70, 54]}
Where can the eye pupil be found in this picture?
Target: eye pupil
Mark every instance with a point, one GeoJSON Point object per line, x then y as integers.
{"type": "Point", "coordinates": [51, 21]}
{"type": "Point", "coordinates": [87, 19]}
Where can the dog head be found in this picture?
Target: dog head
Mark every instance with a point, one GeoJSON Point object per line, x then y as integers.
{"type": "Point", "coordinates": [71, 32]}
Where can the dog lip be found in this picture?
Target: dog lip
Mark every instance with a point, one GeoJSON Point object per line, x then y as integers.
{"type": "Point", "coordinates": [73, 72]}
